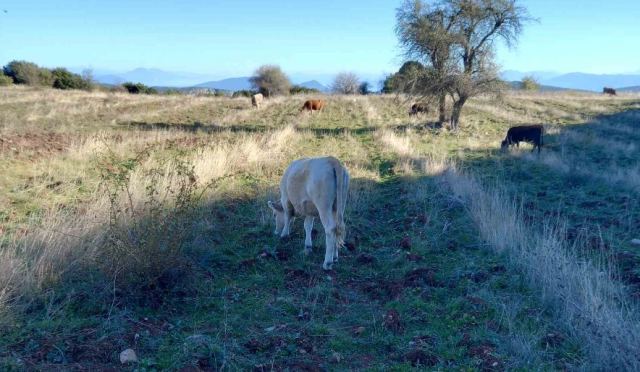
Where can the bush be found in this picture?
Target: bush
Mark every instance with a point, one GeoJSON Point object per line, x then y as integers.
{"type": "Point", "coordinates": [299, 89]}
{"type": "Point", "coordinates": [64, 79]}
{"type": "Point", "coordinates": [139, 88]}
{"type": "Point", "coordinates": [530, 83]}
{"type": "Point", "coordinates": [5, 80]}
{"type": "Point", "coordinates": [23, 72]}
{"type": "Point", "coordinates": [270, 81]}
{"type": "Point", "coordinates": [243, 93]}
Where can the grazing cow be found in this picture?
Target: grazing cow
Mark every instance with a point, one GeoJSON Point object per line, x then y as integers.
{"type": "Point", "coordinates": [313, 105]}
{"type": "Point", "coordinates": [256, 100]}
{"type": "Point", "coordinates": [610, 91]}
{"type": "Point", "coordinates": [310, 188]}
{"type": "Point", "coordinates": [419, 107]}
{"type": "Point", "coordinates": [526, 133]}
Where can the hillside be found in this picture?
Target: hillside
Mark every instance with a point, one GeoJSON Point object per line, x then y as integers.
{"type": "Point", "coordinates": [635, 89]}
{"type": "Point", "coordinates": [576, 80]}
{"type": "Point", "coordinates": [134, 221]}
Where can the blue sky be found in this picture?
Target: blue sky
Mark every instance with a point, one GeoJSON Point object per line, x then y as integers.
{"type": "Point", "coordinates": [233, 37]}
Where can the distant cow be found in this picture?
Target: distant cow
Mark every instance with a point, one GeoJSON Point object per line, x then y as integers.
{"type": "Point", "coordinates": [526, 133]}
{"type": "Point", "coordinates": [314, 187]}
{"type": "Point", "coordinates": [313, 105]}
{"type": "Point", "coordinates": [419, 107]}
{"type": "Point", "coordinates": [610, 91]}
{"type": "Point", "coordinates": [256, 100]}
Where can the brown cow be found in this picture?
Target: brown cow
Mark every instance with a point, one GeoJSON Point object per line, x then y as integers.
{"type": "Point", "coordinates": [313, 105]}
{"type": "Point", "coordinates": [610, 91]}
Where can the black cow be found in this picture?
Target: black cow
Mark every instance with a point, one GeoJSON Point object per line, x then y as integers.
{"type": "Point", "coordinates": [610, 91]}
{"type": "Point", "coordinates": [419, 107]}
{"type": "Point", "coordinates": [526, 133]}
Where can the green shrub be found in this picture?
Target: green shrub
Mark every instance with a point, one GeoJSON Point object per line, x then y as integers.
{"type": "Point", "coordinates": [298, 89]}
{"type": "Point", "coordinates": [139, 88]}
{"type": "Point", "coordinates": [530, 83]}
{"type": "Point", "coordinates": [364, 88]}
{"type": "Point", "coordinates": [5, 80]}
{"type": "Point", "coordinates": [23, 72]}
{"type": "Point", "coordinates": [64, 79]}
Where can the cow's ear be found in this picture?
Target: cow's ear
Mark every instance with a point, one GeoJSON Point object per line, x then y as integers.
{"type": "Point", "coordinates": [275, 206]}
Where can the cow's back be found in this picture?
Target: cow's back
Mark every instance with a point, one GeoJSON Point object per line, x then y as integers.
{"type": "Point", "coordinates": [310, 180]}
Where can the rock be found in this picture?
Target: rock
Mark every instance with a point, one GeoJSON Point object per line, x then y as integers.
{"type": "Point", "coordinates": [635, 241]}
{"type": "Point", "coordinates": [128, 356]}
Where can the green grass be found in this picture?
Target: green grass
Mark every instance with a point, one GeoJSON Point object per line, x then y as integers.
{"type": "Point", "coordinates": [417, 288]}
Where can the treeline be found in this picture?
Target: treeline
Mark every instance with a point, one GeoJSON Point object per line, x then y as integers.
{"type": "Point", "coordinates": [28, 73]}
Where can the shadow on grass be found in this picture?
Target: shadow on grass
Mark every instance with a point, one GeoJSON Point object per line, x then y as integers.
{"type": "Point", "coordinates": [199, 127]}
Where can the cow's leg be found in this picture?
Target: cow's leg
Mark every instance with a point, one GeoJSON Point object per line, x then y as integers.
{"type": "Point", "coordinates": [286, 228]}
{"type": "Point", "coordinates": [308, 228]}
{"type": "Point", "coordinates": [329, 225]}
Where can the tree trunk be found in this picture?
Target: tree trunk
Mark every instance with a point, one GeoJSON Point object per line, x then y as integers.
{"type": "Point", "coordinates": [442, 108]}
{"type": "Point", "coordinates": [457, 110]}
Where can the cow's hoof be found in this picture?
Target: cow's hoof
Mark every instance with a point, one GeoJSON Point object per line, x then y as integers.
{"type": "Point", "coordinates": [327, 266]}
{"type": "Point", "coordinates": [307, 249]}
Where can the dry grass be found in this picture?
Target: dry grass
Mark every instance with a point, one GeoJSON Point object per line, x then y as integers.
{"type": "Point", "coordinates": [584, 293]}
{"type": "Point", "coordinates": [63, 207]}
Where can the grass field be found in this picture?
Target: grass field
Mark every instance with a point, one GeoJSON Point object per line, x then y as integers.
{"type": "Point", "coordinates": [142, 222]}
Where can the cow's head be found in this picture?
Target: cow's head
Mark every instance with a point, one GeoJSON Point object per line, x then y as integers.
{"type": "Point", "coordinates": [504, 145]}
{"type": "Point", "coordinates": [278, 214]}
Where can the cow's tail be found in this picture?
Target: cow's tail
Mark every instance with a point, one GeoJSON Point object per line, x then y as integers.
{"type": "Point", "coordinates": [342, 190]}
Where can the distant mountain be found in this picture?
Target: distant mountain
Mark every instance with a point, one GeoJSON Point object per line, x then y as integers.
{"type": "Point", "coordinates": [152, 77]}
{"type": "Point", "coordinates": [513, 75]}
{"type": "Point", "coordinates": [231, 84]}
{"type": "Point", "coordinates": [593, 82]}
{"type": "Point", "coordinates": [576, 80]}
{"type": "Point", "coordinates": [543, 88]}
{"type": "Point", "coordinates": [314, 84]}
{"type": "Point", "coordinates": [629, 89]}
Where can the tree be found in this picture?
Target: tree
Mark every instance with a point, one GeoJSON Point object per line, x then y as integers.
{"type": "Point", "coordinates": [530, 83]}
{"type": "Point", "coordinates": [270, 81]}
{"type": "Point", "coordinates": [364, 88]}
{"type": "Point", "coordinates": [345, 83]}
{"type": "Point", "coordinates": [425, 33]}
{"type": "Point", "coordinates": [455, 39]}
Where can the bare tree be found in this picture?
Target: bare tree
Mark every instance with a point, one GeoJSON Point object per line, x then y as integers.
{"type": "Point", "coordinates": [455, 39]}
{"type": "Point", "coordinates": [425, 33]}
{"type": "Point", "coordinates": [480, 24]}
{"type": "Point", "coordinates": [346, 83]}
{"type": "Point", "coordinates": [270, 81]}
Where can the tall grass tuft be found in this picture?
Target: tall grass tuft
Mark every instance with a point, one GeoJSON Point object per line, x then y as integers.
{"type": "Point", "coordinates": [584, 292]}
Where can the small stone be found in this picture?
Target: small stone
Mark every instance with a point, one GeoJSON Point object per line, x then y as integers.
{"type": "Point", "coordinates": [128, 356]}
{"type": "Point", "coordinates": [635, 241]}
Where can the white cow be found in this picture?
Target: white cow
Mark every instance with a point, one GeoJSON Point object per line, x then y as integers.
{"type": "Point", "coordinates": [314, 187]}
{"type": "Point", "coordinates": [256, 100]}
